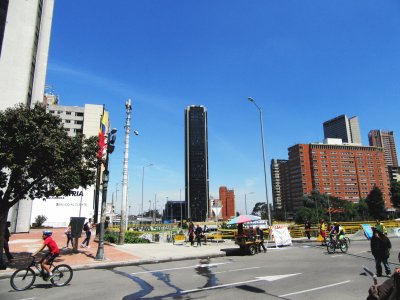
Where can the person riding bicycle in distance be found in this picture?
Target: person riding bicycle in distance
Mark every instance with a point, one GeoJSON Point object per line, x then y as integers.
{"type": "Point", "coordinates": [53, 251]}
{"type": "Point", "coordinates": [336, 232]}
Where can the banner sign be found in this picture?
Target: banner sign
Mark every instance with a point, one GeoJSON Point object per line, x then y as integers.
{"type": "Point", "coordinates": [367, 230]}
{"type": "Point", "coordinates": [281, 235]}
{"type": "Point", "coordinates": [396, 231]}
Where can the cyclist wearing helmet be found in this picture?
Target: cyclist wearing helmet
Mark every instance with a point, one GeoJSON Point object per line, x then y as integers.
{"type": "Point", "coordinates": [53, 251]}
{"type": "Point", "coordinates": [337, 231]}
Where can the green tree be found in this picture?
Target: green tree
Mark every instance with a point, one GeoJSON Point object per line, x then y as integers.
{"type": "Point", "coordinates": [317, 204]}
{"type": "Point", "coordinates": [260, 209]}
{"type": "Point", "coordinates": [39, 159]}
{"type": "Point", "coordinates": [395, 192]}
{"type": "Point", "coordinates": [362, 210]}
{"type": "Point", "coordinates": [306, 214]}
{"type": "Point", "coordinates": [375, 203]}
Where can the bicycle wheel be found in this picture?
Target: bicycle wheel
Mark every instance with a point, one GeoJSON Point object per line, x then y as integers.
{"type": "Point", "coordinates": [343, 246]}
{"type": "Point", "coordinates": [330, 246]}
{"type": "Point", "coordinates": [22, 279]}
{"type": "Point", "coordinates": [62, 275]}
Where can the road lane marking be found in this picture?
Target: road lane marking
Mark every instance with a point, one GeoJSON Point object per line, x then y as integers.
{"type": "Point", "coordinates": [265, 278]}
{"type": "Point", "coordinates": [236, 270]}
{"type": "Point", "coordinates": [315, 289]}
{"type": "Point", "coordinates": [277, 277]}
{"type": "Point", "coordinates": [181, 268]}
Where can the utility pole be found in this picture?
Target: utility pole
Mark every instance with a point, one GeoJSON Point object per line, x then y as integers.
{"type": "Point", "coordinates": [124, 200]}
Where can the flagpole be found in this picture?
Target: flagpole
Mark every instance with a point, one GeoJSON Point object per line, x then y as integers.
{"type": "Point", "coordinates": [98, 176]}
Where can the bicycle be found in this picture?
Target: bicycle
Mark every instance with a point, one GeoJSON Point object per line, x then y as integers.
{"type": "Point", "coordinates": [336, 243]}
{"type": "Point", "coordinates": [347, 240]}
{"type": "Point", "coordinates": [22, 279]}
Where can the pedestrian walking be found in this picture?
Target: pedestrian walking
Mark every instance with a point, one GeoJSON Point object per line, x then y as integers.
{"type": "Point", "coordinates": [307, 229]}
{"type": "Point", "coordinates": [87, 228]}
{"type": "Point", "coordinates": [199, 235]}
{"type": "Point", "coordinates": [191, 233]}
{"type": "Point", "coordinates": [322, 231]}
{"type": "Point", "coordinates": [260, 234]}
{"type": "Point", "coordinates": [6, 247]}
{"type": "Point", "coordinates": [380, 248]}
{"type": "Point", "coordinates": [68, 233]}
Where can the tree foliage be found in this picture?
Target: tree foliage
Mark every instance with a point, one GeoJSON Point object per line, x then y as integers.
{"type": "Point", "coordinates": [375, 203]}
{"type": "Point", "coordinates": [260, 209]}
{"type": "Point", "coordinates": [38, 158]}
{"type": "Point", "coordinates": [322, 206]}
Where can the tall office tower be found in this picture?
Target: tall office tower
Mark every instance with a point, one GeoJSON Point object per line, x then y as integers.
{"type": "Point", "coordinates": [348, 172]}
{"type": "Point", "coordinates": [25, 28]}
{"type": "Point", "coordinates": [276, 182]}
{"type": "Point", "coordinates": [385, 140]}
{"type": "Point", "coordinates": [76, 120]}
{"type": "Point", "coordinates": [342, 127]}
{"type": "Point", "coordinates": [196, 163]}
{"type": "Point", "coordinates": [227, 198]}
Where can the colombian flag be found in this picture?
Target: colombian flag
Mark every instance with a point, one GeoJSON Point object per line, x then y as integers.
{"type": "Point", "coordinates": [102, 135]}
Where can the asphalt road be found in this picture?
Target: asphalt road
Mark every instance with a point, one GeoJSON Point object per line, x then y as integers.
{"type": "Point", "coordinates": [303, 271]}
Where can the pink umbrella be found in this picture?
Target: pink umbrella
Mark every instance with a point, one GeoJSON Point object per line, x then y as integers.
{"type": "Point", "coordinates": [243, 219]}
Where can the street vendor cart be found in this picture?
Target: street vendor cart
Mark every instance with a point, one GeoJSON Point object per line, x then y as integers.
{"type": "Point", "coordinates": [246, 239]}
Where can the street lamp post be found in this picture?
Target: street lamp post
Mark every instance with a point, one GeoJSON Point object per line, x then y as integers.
{"type": "Point", "coordinates": [263, 153]}
{"type": "Point", "coordinates": [110, 149]}
{"type": "Point", "coordinates": [141, 215]}
{"type": "Point", "coordinates": [245, 200]}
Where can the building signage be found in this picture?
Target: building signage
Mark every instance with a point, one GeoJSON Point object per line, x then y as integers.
{"type": "Point", "coordinates": [59, 209]}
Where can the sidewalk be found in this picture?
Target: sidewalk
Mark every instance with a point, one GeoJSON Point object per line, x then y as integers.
{"type": "Point", "coordinates": [23, 244]}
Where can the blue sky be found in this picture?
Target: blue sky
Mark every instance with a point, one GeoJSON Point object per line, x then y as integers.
{"type": "Point", "coordinates": [304, 62]}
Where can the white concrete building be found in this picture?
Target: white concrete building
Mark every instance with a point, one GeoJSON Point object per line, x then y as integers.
{"type": "Point", "coordinates": [25, 28]}
{"type": "Point", "coordinates": [80, 203]}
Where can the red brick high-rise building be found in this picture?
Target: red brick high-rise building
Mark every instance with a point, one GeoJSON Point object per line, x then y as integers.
{"type": "Point", "coordinates": [346, 171]}
{"type": "Point", "coordinates": [227, 198]}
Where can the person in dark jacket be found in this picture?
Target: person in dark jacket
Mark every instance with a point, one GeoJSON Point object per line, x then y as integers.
{"type": "Point", "coordinates": [260, 234]}
{"type": "Point", "coordinates": [307, 229]}
{"type": "Point", "coordinates": [380, 248]}
{"type": "Point", "coordinates": [199, 235]}
{"type": "Point", "coordinates": [6, 240]}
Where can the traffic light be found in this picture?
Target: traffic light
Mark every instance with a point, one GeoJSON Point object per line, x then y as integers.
{"type": "Point", "coordinates": [111, 141]}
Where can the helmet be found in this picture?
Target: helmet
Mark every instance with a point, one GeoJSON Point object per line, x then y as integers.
{"type": "Point", "coordinates": [47, 232]}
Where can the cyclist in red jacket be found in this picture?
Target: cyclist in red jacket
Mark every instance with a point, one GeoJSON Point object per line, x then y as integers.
{"type": "Point", "coordinates": [53, 251]}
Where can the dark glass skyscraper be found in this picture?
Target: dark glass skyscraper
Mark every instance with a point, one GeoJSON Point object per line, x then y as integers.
{"type": "Point", "coordinates": [196, 163]}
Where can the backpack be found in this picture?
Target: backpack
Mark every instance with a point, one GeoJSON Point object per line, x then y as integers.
{"type": "Point", "coordinates": [86, 226]}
